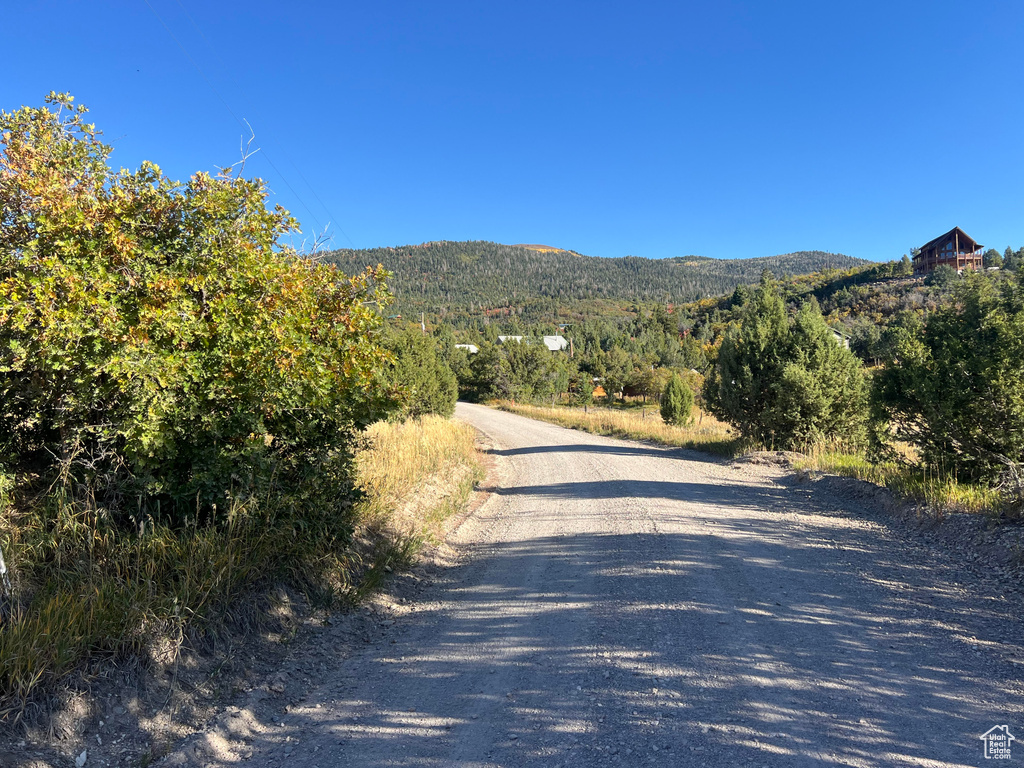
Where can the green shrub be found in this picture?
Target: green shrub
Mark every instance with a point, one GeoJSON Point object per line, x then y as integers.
{"type": "Point", "coordinates": [424, 382]}
{"type": "Point", "coordinates": [787, 383]}
{"type": "Point", "coordinates": [955, 388]}
{"type": "Point", "coordinates": [942, 277]}
{"type": "Point", "coordinates": [524, 371]}
{"type": "Point", "coordinates": [676, 402]}
{"type": "Point", "coordinates": [489, 376]}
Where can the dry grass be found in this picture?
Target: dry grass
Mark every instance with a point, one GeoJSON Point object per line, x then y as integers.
{"type": "Point", "coordinates": [84, 591]}
{"type": "Point", "coordinates": [705, 433]}
{"type": "Point", "coordinates": [415, 475]}
{"type": "Point", "coordinates": [398, 459]}
{"type": "Point", "coordinates": [940, 494]}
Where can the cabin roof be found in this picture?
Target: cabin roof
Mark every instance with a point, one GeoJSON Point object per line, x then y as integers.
{"type": "Point", "coordinates": [963, 237]}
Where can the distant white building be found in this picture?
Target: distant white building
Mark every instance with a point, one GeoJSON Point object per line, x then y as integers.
{"type": "Point", "coordinates": [553, 343]}
{"type": "Point", "coordinates": [471, 348]}
{"type": "Point", "coordinates": [556, 343]}
{"type": "Point", "coordinates": [841, 338]}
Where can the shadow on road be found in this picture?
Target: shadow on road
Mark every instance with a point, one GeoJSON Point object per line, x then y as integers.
{"type": "Point", "coordinates": [647, 489]}
{"type": "Point", "coordinates": [740, 645]}
{"type": "Point", "coordinates": [621, 448]}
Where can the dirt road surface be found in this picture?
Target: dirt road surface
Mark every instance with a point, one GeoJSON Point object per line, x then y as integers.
{"type": "Point", "coordinates": [621, 604]}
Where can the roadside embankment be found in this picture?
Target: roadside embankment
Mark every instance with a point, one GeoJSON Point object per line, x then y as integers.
{"type": "Point", "coordinates": [122, 643]}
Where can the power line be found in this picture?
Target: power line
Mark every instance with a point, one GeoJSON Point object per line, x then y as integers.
{"type": "Point", "coordinates": [244, 123]}
{"type": "Point", "coordinates": [238, 89]}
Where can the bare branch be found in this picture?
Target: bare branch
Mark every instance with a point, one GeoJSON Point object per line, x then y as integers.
{"type": "Point", "coordinates": [245, 150]}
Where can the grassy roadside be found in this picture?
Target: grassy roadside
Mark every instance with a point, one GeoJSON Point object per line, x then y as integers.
{"type": "Point", "coordinates": [84, 591]}
{"type": "Point", "coordinates": [705, 433]}
{"type": "Point", "coordinates": [939, 494]}
{"type": "Point", "coordinates": [415, 475]}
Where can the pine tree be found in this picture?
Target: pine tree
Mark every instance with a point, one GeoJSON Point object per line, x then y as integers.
{"type": "Point", "coordinates": [677, 402]}
{"type": "Point", "coordinates": [955, 388]}
{"type": "Point", "coordinates": [787, 384]}
{"type": "Point", "coordinates": [822, 392]}
{"type": "Point", "coordinates": [740, 388]}
{"type": "Point", "coordinates": [992, 258]}
{"type": "Point", "coordinates": [425, 382]}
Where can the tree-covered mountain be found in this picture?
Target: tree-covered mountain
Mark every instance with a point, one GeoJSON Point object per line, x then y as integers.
{"type": "Point", "coordinates": [459, 277]}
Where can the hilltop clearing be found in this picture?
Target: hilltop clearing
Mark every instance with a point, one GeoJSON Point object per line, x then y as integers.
{"type": "Point", "coordinates": [543, 248]}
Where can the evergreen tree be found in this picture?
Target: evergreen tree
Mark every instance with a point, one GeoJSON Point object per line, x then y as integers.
{"type": "Point", "coordinates": [1012, 258]}
{"type": "Point", "coordinates": [992, 258]}
{"type": "Point", "coordinates": [490, 376]}
{"type": "Point", "coordinates": [822, 392]}
{"type": "Point", "coordinates": [536, 373]}
{"type": "Point", "coordinates": [425, 382]}
{"type": "Point", "coordinates": [785, 383]}
{"type": "Point", "coordinates": [955, 388]}
{"type": "Point", "coordinates": [942, 277]}
{"type": "Point", "coordinates": [581, 388]}
{"type": "Point", "coordinates": [740, 388]}
{"type": "Point", "coordinates": [677, 402]}
{"type": "Point", "coordinates": [865, 340]}
{"type": "Point", "coordinates": [691, 353]}
{"type": "Point", "coordinates": [740, 296]}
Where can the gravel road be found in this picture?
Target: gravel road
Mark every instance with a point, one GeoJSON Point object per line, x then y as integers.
{"type": "Point", "coordinates": [622, 604]}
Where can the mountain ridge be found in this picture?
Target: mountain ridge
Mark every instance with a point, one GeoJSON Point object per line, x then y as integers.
{"type": "Point", "coordinates": [470, 276]}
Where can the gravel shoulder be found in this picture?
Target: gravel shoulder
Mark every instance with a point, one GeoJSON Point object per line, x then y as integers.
{"type": "Point", "coordinates": [614, 603]}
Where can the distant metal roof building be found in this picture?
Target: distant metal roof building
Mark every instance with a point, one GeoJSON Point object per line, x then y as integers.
{"type": "Point", "coordinates": [556, 343]}
{"type": "Point", "coordinates": [553, 343]}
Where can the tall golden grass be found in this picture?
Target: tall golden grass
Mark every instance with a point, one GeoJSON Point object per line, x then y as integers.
{"type": "Point", "coordinates": [397, 459]}
{"type": "Point", "coordinates": [704, 433]}
{"type": "Point", "coordinates": [83, 590]}
{"type": "Point", "coordinates": [939, 493]}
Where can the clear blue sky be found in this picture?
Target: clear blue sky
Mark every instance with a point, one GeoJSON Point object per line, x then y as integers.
{"type": "Point", "coordinates": [726, 129]}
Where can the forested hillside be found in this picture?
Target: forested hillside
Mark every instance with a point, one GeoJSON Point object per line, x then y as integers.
{"type": "Point", "coordinates": [458, 277]}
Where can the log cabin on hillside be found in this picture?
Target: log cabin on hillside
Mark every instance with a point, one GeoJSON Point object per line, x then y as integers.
{"type": "Point", "coordinates": [955, 249]}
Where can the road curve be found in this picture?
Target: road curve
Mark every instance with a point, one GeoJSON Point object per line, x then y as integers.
{"type": "Point", "coordinates": [622, 604]}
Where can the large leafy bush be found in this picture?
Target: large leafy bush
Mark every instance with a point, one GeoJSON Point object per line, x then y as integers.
{"type": "Point", "coordinates": [159, 347]}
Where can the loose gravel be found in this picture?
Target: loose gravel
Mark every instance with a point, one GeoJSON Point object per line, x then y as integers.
{"type": "Point", "coordinates": [615, 603]}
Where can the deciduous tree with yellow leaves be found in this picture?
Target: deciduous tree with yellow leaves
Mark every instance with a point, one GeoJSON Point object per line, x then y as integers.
{"type": "Point", "coordinates": [160, 348]}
